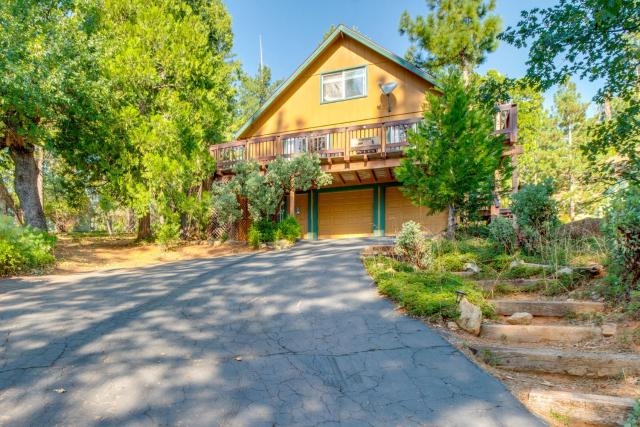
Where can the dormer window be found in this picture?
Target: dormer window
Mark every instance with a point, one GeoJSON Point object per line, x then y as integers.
{"type": "Point", "coordinates": [344, 84]}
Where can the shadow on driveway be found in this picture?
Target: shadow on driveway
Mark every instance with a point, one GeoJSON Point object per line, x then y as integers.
{"type": "Point", "coordinates": [298, 337]}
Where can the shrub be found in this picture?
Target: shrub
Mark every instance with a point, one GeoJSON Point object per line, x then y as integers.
{"type": "Point", "coordinates": [23, 248]}
{"type": "Point", "coordinates": [502, 234]}
{"type": "Point", "coordinates": [622, 229]}
{"type": "Point", "coordinates": [254, 238]}
{"type": "Point", "coordinates": [267, 230]}
{"type": "Point", "coordinates": [412, 246]}
{"type": "Point", "coordinates": [423, 293]}
{"type": "Point", "coordinates": [168, 233]}
{"type": "Point", "coordinates": [536, 214]}
{"type": "Point", "coordinates": [288, 229]}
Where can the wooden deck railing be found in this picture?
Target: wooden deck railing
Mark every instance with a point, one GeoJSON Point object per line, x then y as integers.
{"type": "Point", "coordinates": [345, 144]}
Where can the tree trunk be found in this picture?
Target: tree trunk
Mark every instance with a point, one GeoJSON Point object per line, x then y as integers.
{"type": "Point", "coordinates": [451, 223]}
{"type": "Point", "coordinates": [144, 227]}
{"type": "Point", "coordinates": [39, 155]}
{"type": "Point", "coordinates": [131, 220]}
{"type": "Point", "coordinates": [26, 184]}
{"type": "Point", "coordinates": [108, 223]}
{"type": "Point", "coordinates": [9, 205]}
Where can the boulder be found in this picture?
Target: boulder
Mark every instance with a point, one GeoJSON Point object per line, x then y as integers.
{"type": "Point", "coordinates": [609, 329]}
{"type": "Point", "coordinates": [453, 326]}
{"type": "Point", "coordinates": [471, 267]}
{"type": "Point", "coordinates": [516, 263]}
{"type": "Point", "coordinates": [565, 270]}
{"type": "Point", "coordinates": [520, 318]}
{"type": "Point", "coordinates": [282, 244]}
{"type": "Point", "coordinates": [470, 317]}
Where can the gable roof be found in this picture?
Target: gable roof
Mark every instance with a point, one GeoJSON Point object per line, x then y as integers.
{"type": "Point", "coordinates": [341, 29]}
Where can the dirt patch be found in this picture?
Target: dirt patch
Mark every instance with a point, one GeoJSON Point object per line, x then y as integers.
{"type": "Point", "coordinates": [83, 254]}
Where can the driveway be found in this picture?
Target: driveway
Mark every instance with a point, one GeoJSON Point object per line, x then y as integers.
{"type": "Point", "coordinates": [298, 337]}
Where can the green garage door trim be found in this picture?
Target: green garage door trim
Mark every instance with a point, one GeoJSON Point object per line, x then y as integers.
{"type": "Point", "coordinates": [379, 201]}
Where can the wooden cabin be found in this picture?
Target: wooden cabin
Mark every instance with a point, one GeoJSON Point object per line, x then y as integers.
{"type": "Point", "coordinates": [351, 102]}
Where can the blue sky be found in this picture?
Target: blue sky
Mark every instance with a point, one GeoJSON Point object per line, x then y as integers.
{"type": "Point", "coordinates": [292, 29]}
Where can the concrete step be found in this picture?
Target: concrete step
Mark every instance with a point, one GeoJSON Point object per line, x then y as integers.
{"type": "Point", "coordinates": [550, 361]}
{"type": "Point", "coordinates": [540, 333]}
{"type": "Point", "coordinates": [546, 308]}
{"type": "Point", "coordinates": [576, 409]}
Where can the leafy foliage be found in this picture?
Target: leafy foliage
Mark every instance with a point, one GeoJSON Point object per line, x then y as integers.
{"type": "Point", "coordinates": [536, 214]}
{"type": "Point", "coordinates": [595, 40]}
{"type": "Point", "coordinates": [412, 246]}
{"type": "Point", "coordinates": [23, 248]}
{"type": "Point", "coordinates": [288, 229]}
{"type": "Point", "coordinates": [168, 68]}
{"type": "Point", "coordinates": [422, 293]}
{"type": "Point", "coordinates": [453, 156]}
{"type": "Point", "coordinates": [501, 232]}
{"type": "Point", "coordinates": [454, 32]}
{"type": "Point", "coordinates": [253, 92]}
{"type": "Point", "coordinates": [622, 227]}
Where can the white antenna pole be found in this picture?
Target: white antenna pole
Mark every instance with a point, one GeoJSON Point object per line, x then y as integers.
{"type": "Point", "coordinates": [260, 38]}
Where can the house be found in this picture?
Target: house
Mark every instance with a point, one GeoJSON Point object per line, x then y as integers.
{"type": "Point", "coordinates": [351, 102]}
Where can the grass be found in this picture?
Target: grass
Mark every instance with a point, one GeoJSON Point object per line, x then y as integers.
{"type": "Point", "coordinates": [428, 294]}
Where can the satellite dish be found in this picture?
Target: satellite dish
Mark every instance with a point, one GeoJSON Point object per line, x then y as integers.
{"type": "Point", "coordinates": [387, 88]}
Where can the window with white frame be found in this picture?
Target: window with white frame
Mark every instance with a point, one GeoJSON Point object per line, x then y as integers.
{"type": "Point", "coordinates": [346, 84]}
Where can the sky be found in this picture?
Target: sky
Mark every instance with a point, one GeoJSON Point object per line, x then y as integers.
{"type": "Point", "coordinates": [291, 30]}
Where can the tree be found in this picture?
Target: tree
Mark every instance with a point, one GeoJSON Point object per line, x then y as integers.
{"type": "Point", "coordinates": [596, 40]}
{"type": "Point", "coordinates": [169, 68]}
{"type": "Point", "coordinates": [48, 86]}
{"type": "Point", "coordinates": [454, 32]}
{"type": "Point", "coordinates": [453, 156]}
{"type": "Point", "coordinates": [253, 92]}
{"type": "Point", "coordinates": [266, 193]}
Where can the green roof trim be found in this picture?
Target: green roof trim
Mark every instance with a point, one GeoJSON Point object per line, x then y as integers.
{"type": "Point", "coordinates": [341, 29]}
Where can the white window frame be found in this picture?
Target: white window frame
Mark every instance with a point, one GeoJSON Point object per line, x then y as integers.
{"type": "Point", "coordinates": [344, 86]}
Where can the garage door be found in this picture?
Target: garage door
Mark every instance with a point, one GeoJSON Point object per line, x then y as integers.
{"type": "Point", "coordinates": [399, 210]}
{"type": "Point", "coordinates": [345, 214]}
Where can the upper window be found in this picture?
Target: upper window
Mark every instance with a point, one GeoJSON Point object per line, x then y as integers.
{"type": "Point", "coordinates": [346, 84]}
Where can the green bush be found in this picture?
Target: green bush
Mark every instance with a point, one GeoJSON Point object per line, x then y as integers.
{"type": "Point", "coordinates": [536, 214]}
{"type": "Point", "coordinates": [622, 230]}
{"type": "Point", "coordinates": [254, 238]}
{"type": "Point", "coordinates": [412, 246]}
{"type": "Point", "coordinates": [423, 293]}
{"type": "Point", "coordinates": [288, 229]}
{"type": "Point", "coordinates": [168, 234]}
{"type": "Point", "coordinates": [502, 234]}
{"type": "Point", "coordinates": [23, 249]}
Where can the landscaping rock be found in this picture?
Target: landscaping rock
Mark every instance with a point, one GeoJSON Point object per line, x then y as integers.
{"type": "Point", "coordinates": [453, 326]}
{"type": "Point", "coordinates": [282, 244]}
{"type": "Point", "coordinates": [516, 263]}
{"type": "Point", "coordinates": [520, 318]}
{"type": "Point", "coordinates": [470, 317]}
{"type": "Point", "coordinates": [471, 267]}
{"type": "Point", "coordinates": [609, 329]}
{"type": "Point", "coordinates": [565, 270]}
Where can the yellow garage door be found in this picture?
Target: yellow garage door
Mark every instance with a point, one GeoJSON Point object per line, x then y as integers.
{"type": "Point", "coordinates": [399, 209]}
{"type": "Point", "coordinates": [345, 214]}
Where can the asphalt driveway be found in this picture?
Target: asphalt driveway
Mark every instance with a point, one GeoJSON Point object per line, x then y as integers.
{"type": "Point", "coordinates": [298, 337]}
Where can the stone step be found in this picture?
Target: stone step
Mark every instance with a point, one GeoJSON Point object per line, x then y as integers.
{"type": "Point", "coordinates": [550, 361]}
{"type": "Point", "coordinates": [539, 333]}
{"type": "Point", "coordinates": [580, 408]}
{"type": "Point", "coordinates": [546, 308]}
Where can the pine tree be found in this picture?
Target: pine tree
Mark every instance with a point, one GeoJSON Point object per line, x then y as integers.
{"type": "Point", "coordinates": [253, 92]}
{"type": "Point", "coordinates": [454, 32]}
{"type": "Point", "coordinates": [453, 156]}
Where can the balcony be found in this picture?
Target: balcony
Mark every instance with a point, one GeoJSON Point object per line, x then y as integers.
{"type": "Point", "coordinates": [355, 147]}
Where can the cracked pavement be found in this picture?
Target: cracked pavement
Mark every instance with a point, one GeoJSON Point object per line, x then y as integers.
{"type": "Point", "coordinates": [298, 337]}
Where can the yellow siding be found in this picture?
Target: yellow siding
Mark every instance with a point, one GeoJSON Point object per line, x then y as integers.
{"type": "Point", "coordinates": [301, 204]}
{"type": "Point", "coordinates": [399, 209]}
{"type": "Point", "coordinates": [345, 214]}
{"type": "Point", "coordinates": [299, 109]}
